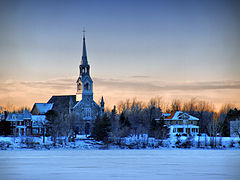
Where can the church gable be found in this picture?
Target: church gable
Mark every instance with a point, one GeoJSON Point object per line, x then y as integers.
{"type": "Point", "coordinates": [86, 111]}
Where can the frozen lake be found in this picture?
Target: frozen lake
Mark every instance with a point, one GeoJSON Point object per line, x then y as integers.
{"type": "Point", "coordinates": [120, 164]}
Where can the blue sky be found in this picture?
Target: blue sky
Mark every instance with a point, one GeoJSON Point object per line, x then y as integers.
{"type": "Point", "coordinates": [167, 44]}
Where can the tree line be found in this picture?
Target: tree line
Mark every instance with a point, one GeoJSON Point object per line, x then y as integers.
{"type": "Point", "coordinates": [135, 118]}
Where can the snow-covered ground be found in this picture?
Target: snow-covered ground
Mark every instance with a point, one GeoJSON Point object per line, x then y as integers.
{"type": "Point", "coordinates": [120, 164]}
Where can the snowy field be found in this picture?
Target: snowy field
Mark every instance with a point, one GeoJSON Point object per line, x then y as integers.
{"type": "Point", "coordinates": [120, 164]}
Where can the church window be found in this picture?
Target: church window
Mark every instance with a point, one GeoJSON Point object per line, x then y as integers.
{"type": "Point", "coordinates": [79, 86]}
{"type": "Point", "coordinates": [87, 86]}
{"type": "Point", "coordinates": [87, 112]}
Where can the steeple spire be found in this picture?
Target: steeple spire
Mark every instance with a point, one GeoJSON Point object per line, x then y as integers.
{"type": "Point", "coordinates": [84, 61]}
{"type": "Point", "coordinates": [102, 102]}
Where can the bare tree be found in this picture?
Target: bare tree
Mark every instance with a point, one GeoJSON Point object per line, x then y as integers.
{"type": "Point", "coordinates": [176, 105]}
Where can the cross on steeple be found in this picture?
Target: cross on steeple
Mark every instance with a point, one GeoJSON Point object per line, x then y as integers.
{"type": "Point", "coordinates": [84, 31]}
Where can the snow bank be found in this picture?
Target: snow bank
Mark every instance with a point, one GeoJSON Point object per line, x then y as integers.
{"type": "Point", "coordinates": [133, 142]}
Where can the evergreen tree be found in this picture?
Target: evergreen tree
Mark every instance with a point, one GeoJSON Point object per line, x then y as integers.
{"type": "Point", "coordinates": [5, 128]}
{"type": "Point", "coordinates": [101, 128]}
{"type": "Point", "coordinates": [158, 129]}
{"type": "Point", "coordinates": [124, 125]}
{"type": "Point", "coordinates": [124, 122]}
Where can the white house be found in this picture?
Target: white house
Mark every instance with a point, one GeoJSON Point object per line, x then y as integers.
{"type": "Point", "coordinates": [181, 123]}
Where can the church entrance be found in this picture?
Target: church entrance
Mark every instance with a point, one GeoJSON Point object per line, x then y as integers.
{"type": "Point", "coordinates": [87, 128]}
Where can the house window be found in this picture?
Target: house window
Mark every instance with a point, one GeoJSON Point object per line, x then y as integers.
{"type": "Point", "coordinates": [34, 131]}
{"type": "Point", "coordinates": [180, 130]}
{"type": "Point", "coordinates": [176, 122]}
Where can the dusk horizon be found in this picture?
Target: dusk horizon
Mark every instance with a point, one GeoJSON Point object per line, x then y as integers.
{"type": "Point", "coordinates": [168, 49]}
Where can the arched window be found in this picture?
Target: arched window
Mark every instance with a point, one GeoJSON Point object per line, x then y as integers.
{"type": "Point", "coordinates": [87, 112]}
{"type": "Point", "coordinates": [87, 86]}
{"type": "Point", "coordinates": [79, 85]}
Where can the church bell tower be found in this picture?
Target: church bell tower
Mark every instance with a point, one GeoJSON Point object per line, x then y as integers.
{"type": "Point", "coordinates": [84, 81]}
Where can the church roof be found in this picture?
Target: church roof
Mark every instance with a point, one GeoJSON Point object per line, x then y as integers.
{"type": "Point", "coordinates": [81, 103]}
{"type": "Point", "coordinates": [63, 103]}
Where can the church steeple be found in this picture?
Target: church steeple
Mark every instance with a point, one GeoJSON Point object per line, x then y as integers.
{"type": "Point", "coordinates": [84, 61]}
{"type": "Point", "coordinates": [84, 66]}
{"type": "Point", "coordinates": [84, 82]}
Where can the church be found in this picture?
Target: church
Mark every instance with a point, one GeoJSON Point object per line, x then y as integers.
{"type": "Point", "coordinates": [86, 110]}
{"type": "Point", "coordinates": [82, 108]}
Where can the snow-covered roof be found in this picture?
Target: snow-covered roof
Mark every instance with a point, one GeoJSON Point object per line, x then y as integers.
{"type": "Point", "coordinates": [44, 107]}
{"type": "Point", "coordinates": [27, 114]}
{"type": "Point", "coordinates": [38, 120]}
{"type": "Point", "coordinates": [38, 117]}
{"type": "Point", "coordinates": [179, 115]}
{"type": "Point", "coordinates": [15, 117]}
{"type": "Point", "coordinates": [166, 114]}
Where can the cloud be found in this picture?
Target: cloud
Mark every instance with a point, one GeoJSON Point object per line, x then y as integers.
{"type": "Point", "coordinates": [145, 77]}
{"type": "Point", "coordinates": [116, 89]}
{"type": "Point", "coordinates": [149, 85]}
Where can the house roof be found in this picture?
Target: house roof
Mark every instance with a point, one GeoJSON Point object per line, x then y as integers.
{"type": "Point", "coordinates": [179, 115]}
{"type": "Point", "coordinates": [15, 117]}
{"type": "Point", "coordinates": [27, 114]}
{"type": "Point", "coordinates": [38, 117]}
{"type": "Point", "coordinates": [43, 108]}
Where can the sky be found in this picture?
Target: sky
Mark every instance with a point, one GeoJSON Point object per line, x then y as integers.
{"type": "Point", "coordinates": [136, 49]}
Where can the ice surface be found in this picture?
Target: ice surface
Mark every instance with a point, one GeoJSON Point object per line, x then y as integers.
{"type": "Point", "coordinates": [120, 164]}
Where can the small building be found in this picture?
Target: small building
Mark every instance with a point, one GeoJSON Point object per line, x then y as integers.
{"type": "Point", "coordinates": [26, 124]}
{"type": "Point", "coordinates": [235, 128]}
{"type": "Point", "coordinates": [181, 123]}
{"type": "Point", "coordinates": [21, 124]}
